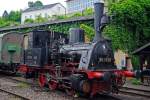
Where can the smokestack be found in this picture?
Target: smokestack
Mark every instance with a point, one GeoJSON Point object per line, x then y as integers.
{"type": "Point", "coordinates": [99, 9]}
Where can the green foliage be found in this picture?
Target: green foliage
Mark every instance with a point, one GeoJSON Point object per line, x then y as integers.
{"type": "Point", "coordinates": [5, 15]}
{"type": "Point", "coordinates": [38, 4]}
{"type": "Point", "coordinates": [15, 16]}
{"type": "Point", "coordinates": [135, 62]}
{"type": "Point", "coordinates": [110, 2]}
{"type": "Point", "coordinates": [64, 27]}
{"type": "Point", "coordinates": [121, 38]}
{"type": "Point", "coordinates": [133, 15]}
{"type": "Point", "coordinates": [88, 30]}
{"type": "Point", "coordinates": [12, 19]}
{"type": "Point", "coordinates": [29, 21]}
{"type": "Point", "coordinates": [30, 4]}
{"type": "Point", "coordinates": [135, 81]}
{"type": "Point", "coordinates": [130, 27]}
{"type": "Point", "coordinates": [59, 17]}
{"type": "Point", "coordinates": [88, 11]}
{"type": "Point", "coordinates": [4, 23]}
{"type": "Point", "coordinates": [23, 85]}
{"type": "Point", "coordinates": [40, 19]}
{"type": "Point", "coordinates": [127, 15]}
{"type": "Point", "coordinates": [35, 4]}
{"type": "Point", "coordinates": [77, 14]}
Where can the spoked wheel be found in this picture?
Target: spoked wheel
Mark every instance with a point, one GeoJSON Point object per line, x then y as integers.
{"type": "Point", "coordinates": [42, 80]}
{"type": "Point", "coordinates": [85, 86]}
{"type": "Point", "coordinates": [121, 81]}
{"type": "Point", "coordinates": [52, 85]}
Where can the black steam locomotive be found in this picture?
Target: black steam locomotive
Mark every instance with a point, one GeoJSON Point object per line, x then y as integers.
{"type": "Point", "coordinates": [74, 65]}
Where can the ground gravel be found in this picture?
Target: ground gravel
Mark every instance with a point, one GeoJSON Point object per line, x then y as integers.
{"type": "Point", "coordinates": [34, 92]}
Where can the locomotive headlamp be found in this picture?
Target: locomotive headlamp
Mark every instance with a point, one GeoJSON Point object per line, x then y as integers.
{"type": "Point", "coordinates": [104, 47]}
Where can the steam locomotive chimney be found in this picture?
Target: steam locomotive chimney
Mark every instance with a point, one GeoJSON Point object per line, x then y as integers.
{"type": "Point", "coordinates": [99, 9]}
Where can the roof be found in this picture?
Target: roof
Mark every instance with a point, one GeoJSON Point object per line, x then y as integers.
{"type": "Point", "coordinates": [1, 35]}
{"type": "Point", "coordinates": [11, 32]}
{"type": "Point", "coordinates": [42, 7]}
{"type": "Point", "coordinates": [24, 26]}
{"type": "Point", "coordinates": [137, 51]}
{"type": "Point", "coordinates": [68, 0]}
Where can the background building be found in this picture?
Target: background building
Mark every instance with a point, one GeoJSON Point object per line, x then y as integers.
{"type": "Point", "coordinates": [80, 5]}
{"type": "Point", "coordinates": [122, 59]}
{"type": "Point", "coordinates": [43, 11]}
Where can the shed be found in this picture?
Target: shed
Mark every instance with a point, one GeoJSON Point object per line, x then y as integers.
{"type": "Point", "coordinates": [144, 55]}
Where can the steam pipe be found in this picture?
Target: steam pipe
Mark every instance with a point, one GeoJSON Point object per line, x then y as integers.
{"type": "Point", "coordinates": [99, 9]}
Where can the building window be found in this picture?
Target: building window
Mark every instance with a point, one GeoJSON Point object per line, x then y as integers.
{"type": "Point", "coordinates": [40, 15]}
{"type": "Point", "coordinates": [46, 16]}
{"type": "Point", "coordinates": [25, 17]}
{"type": "Point", "coordinates": [58, 9]}
{"type": "Point", "coordinates": [30, 16]}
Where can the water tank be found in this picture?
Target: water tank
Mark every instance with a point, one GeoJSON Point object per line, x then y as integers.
{"type": "Point", "coordinates": [76, 35]}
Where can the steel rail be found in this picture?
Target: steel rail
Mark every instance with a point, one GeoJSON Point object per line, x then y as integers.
{"type": "Point", "coordinates": [135, 92]}
{"type": "Point", "coordinates": [14, 94]}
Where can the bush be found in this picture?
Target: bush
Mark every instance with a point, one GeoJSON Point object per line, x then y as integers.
{"type": "Point", "coordinates": [135, 62]}
{"type": "Point", "coordinates": [135, 81]}
{"type": "Point", "coordinates": [40, 19]}
{"type": "Point", "coordinates": [61, 17]}
{"type": "Point", "coordinates": [78, 14]}
{"type": "Point", "coordinates": [29, 21]}
{"type": "Point", "coordinates": [88, 11]}
{"type": "Point", "coordinates": [88, 30]}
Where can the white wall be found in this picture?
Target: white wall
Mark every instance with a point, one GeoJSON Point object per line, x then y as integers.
{"type": "Point", "coordinates": [120, 59]}
{"type": "Point", "coordinates": [56, 10]}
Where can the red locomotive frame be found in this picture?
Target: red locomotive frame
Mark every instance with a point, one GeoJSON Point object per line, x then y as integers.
{"type": "Point", "coordinates": [91, 85]}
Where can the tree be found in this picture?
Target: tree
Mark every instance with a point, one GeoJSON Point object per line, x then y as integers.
{"type": "Point", "coordinates": [130, 19]}
{"type": "Point", "coordinates": [5, 15]}
{"type": "Point", "coordinates": [11, 19]}
{"type": "Point", "coordinates": [36, 4]}
{"type": "Point", "coordinates": [30, 4]}
{"type": "Point", "coordinates": [15, 16]}
{"type": "Point", "coordinates": [130, 26]}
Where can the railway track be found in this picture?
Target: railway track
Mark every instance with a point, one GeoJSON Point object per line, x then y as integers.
{"type": "Point", "coordinates": [14, 94]}
{"type": "Point", "coordinates": [135, 92]}
{"type": "Point", "coordinates": [123, 91]}
{"type": "Point", "coordinates": [22, 80]}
